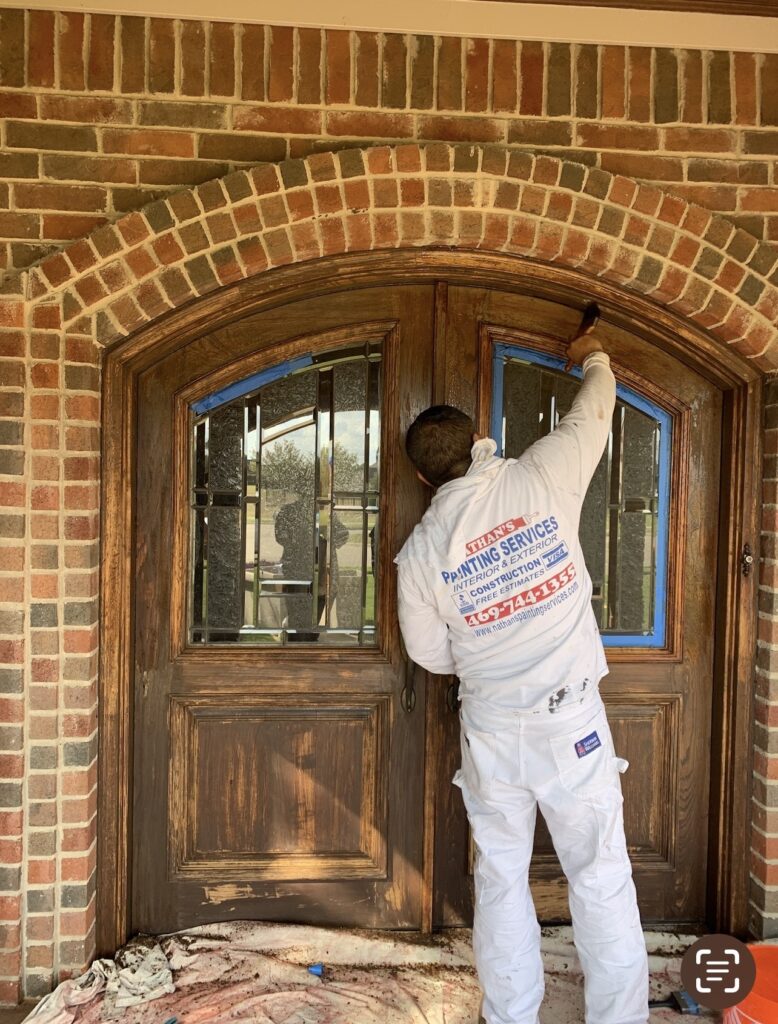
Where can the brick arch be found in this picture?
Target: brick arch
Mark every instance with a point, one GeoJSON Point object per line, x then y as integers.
{"type": "Point", "coordinates": [57, 315]}
{"type": "Point", "coordinates": [684, 257]}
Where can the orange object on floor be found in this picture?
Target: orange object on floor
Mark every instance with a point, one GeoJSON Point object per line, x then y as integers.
{"type": "Point", "coordinates": [761, 1005]}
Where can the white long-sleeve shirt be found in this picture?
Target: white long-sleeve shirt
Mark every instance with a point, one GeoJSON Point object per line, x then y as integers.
{"type": "Point", "coordinates": [492, 583]}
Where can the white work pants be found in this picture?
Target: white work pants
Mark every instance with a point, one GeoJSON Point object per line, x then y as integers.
{"type": "Point", "coordinates": [513, 762]}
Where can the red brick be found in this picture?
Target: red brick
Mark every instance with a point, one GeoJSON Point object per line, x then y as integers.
{"type": "Point", "coordinates": [412, 192]}
{"type": "Point", "coordinates": [532, 63]}
{"type": "Point", "coordinates": [721, 198]}
{"type": "Point", "coordinates": [40, 58]}
{"type": "Point", "coordinates": [309, 65]}
{"type": "Point", "coordinates": [394, 77]}
{"type": "Point", "coordinates": [613, 81]}
{"type": "Point", "coordinates": [60, 197]}
{"type": "Point", "coordinates": [61, 226]}
{"type": "Point", "coordinates": [366, 69]}
{"type": "Point", "coordinates": [605, 136]}
{"type": "Point", "coordinates": [11, 313]}
{"type": "Point", "coordinates": [19, 225]}
{"type": "Point", "coordinates": [639, 83]}
{"type": "Point", "coordinates": [193, 57]}
{"type": "Point", "coordinates": [496, 230]}
{"type": "Point", "coordinates": [305, 241]}
{"type": "Point", "coordinates": [766, 766]}
{"type": "Point", "coordinates": [278, 120]}
{"type": "Point", "coordinates": [691, 93]}
{"type": "Point", "coordinates": [147, 142]}
{"type": "Point", "coordinates": [449, 73]}
{"type": "Point", "coordinates": [760, 199]}
{"type": "Point", "coordinates": [504, 76]}
{"type": "Point", "coordinates": [100, 59]}
{"type": "Point", "coordinates": [369, 124]}
{"type": "Point", "coordinates": [461, 129]}
{"type": "Point", "coordinates": [222, 59]}
{"type": "Point", "coordinates": [39, 927]}
{"type": "Point", "coordinates": [385, 230]}
{"type": "Point", "coordinates": [333, 235]}
{"type": "Point", "coordinates": [133, 51]}
{"type": "Point", "coordinates": [337, 86]}
{"type": "Point", "coordinates": [161, 55]}
{"type": "Point", "coordinates": [140, 263]}
{"type": "Point", "coordinates": [745, 88]}
{"type": "Point", "coordinates": [72, 73]}
{"type": "Point", "coordinates": [18, 104]}
{"type": "Point", "coordinates": [281, 77]}
{"type": "Point", "coordinates": [476, 74]}
{"type": "Point", "coordinates": [300, 205]}
{"type": "Point", "coordinates": [700, 140]}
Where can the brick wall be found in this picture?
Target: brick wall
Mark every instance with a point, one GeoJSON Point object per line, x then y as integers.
{"type": "Point", "coordinates": [103, 115]}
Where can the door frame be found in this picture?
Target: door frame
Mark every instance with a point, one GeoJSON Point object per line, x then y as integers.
{"type": "Point", "coordinates": [735, 643]}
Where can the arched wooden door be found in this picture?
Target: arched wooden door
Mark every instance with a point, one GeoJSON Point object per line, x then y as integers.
{"type": "Point", "coordinates": [281, 768]}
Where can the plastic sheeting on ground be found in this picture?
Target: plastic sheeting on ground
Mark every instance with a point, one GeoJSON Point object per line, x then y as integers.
{"type": "Point", "coordinates": [252, 971]}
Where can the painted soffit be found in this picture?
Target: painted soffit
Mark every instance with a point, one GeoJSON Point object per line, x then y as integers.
{"type": "Point", "coordinates": [480, 18]}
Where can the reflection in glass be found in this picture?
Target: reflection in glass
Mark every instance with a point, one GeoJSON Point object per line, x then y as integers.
{"type": "Point", "coordinates": [284, 507]}
{"type": "Point", "coordinates": [619, 525]}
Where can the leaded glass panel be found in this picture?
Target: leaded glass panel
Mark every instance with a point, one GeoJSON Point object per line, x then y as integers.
{"type": "Point", "coordinates": [625, 510]}
{"type": "Point", "coordinates": [284, 505]}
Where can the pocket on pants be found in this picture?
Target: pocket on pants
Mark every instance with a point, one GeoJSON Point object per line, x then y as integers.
{"type": "Point", "coordinates": [585, 759]}
{"type": "Point", "coordinates": [478, 751]}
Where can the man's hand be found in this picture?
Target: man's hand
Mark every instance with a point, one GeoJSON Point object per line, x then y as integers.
{"type": "Point", "coordinates": [582, 343]}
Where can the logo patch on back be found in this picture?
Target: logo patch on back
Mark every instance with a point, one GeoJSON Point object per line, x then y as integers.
{"type": "Point", "coordinates": [587, 744]}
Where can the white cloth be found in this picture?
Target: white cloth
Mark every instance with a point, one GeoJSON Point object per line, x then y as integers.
{"type": "Point", "coordinates": [513, 762]}
{"type": "Point", "coordinates": [140, 973]}
{"type": "Point", "coordinates": [492, 583]}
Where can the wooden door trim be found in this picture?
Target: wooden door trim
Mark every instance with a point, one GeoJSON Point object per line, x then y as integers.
{"type": "Point", "coordinates": [739, 522]}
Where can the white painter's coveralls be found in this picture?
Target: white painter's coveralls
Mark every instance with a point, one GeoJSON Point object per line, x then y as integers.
{"type": "Point", "coordinates": [493, 586]}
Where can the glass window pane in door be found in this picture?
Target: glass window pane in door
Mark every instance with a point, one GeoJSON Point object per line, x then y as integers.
{"type": "Point", "coordinates": [625, 513]}
{"type": "Point", "coordinates": [284, 505]}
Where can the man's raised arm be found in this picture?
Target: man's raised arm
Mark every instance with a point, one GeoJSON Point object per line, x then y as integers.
{"type": "Point", "coordinates": [570, 453]}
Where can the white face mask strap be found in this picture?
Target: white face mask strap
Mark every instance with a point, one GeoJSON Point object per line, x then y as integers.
{"type": "Point", "coordinates": [483, 449]}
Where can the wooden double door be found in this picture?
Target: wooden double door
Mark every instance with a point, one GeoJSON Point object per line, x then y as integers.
{"type": "Point", "coordinates": [289, 763]}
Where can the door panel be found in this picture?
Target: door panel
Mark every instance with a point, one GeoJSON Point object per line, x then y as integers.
{"type": "Point", "coordinates": [658, 698]}
{"type": "Point", "coordinates": [270, 748]}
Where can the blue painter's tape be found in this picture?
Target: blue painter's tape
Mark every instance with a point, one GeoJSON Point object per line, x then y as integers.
{"type": "Point", "coordinates": [502, 352]}
{"type": "Point", "coordinates": [239, 388]}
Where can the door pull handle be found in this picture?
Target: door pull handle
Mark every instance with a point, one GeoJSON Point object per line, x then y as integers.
{"type": "Point", "coordinates": [452, 695]}
{"type": "Point", "coordinates": [408, 695]}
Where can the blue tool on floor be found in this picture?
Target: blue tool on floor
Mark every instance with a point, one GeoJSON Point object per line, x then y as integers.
{"type": "Point", "coordinates": [317, 969]}
{"type": "Point", "coordinates": [680, 1001]}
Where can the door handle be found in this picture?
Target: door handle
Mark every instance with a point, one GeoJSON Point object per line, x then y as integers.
{"type": "Point", "coordinates": [452, 695]}
{"type": "Point", "coordinates": [408, 692]}
{"type": "Point", "coordinates": [408, 695]}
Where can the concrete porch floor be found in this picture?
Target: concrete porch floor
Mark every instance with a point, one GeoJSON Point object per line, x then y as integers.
{"type": "Point", "coordinates": [245, 970]}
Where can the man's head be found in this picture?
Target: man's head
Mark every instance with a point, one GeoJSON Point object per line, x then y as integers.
{"type": "Point", "coordinates": [438, 443]}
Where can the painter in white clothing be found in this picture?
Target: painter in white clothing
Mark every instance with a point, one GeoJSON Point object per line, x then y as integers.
{"type": "Point", "coordinates": [492, 586]}
{"type": "Point", "coordinates": [492, 582]}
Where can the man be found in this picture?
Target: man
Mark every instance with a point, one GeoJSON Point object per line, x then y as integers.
{"type": "Point", "coordinates": [493, 586]}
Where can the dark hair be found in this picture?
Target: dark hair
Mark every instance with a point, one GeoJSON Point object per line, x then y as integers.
{"type": "Point", "coordinates": [438, 443]}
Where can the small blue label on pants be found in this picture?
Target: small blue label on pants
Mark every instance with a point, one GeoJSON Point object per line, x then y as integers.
{"type": "Point", "coordinates": [587, 744]}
